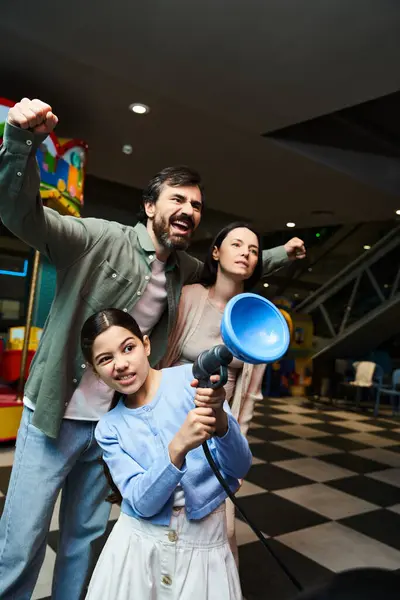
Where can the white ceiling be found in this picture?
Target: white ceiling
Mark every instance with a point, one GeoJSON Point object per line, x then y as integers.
{"type": "Point", "coordinates": [217, 75]}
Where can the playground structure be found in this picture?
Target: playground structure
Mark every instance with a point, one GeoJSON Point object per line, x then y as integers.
{"type": "Point", "coordinates": [62, 165]}
{"type": "Point", "coordinates": [292, 375]}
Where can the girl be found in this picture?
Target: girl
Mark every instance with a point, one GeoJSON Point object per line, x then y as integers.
{"type": "Point", "coordinates": [170, 540]}
{"type": "Point", "coordinates": [233, 266]}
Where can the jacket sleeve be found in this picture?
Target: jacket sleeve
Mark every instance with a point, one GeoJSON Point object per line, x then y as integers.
{"type": "Point", "coordinates": [62, 239]}
{"type": "Point", "coordinates": [232, 451]}
{"type": "Point", "coordinates": [274, 259]}
{"type": "Point", "coordinates": [145, 491]}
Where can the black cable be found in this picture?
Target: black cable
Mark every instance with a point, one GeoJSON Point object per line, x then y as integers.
{"type": "Point", "coordinates": [258, 533]}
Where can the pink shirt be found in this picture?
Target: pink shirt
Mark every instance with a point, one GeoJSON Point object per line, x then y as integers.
{"type": "Point", "coordinates": [92, 398]}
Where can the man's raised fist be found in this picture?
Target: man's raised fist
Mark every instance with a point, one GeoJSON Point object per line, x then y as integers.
{"type": "Point", "coordinates": [34, 115]}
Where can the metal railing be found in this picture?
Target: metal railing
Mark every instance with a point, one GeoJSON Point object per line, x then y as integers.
{"type": "Point", "coordinates": [352, 274]}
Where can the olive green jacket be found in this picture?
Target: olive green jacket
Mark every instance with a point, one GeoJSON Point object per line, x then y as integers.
{"type": "Point", "coordinates": [100, 264]}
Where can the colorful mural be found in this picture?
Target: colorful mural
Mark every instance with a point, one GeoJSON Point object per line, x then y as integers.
{"type": "Point", "coordinates": [62, 165]}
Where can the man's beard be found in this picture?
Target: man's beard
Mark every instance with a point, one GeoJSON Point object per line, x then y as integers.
{"type": "Point", "coordinates": [171, 242]}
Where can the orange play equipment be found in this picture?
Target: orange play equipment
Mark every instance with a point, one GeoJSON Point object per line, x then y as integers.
{"type": "Point", "coordinates": [10, 373]}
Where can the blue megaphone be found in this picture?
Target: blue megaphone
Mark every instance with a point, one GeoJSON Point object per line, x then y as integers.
{"type": "Point", "coordinates": [253, 330]}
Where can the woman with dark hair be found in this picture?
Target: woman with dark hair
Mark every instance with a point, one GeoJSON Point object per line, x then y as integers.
{"type": "Point", "coordinates": [151, 442]}
{"type": "Point", "coordinates": [231, 234]}
{"type": "Point", "coordinates": [233, 265]}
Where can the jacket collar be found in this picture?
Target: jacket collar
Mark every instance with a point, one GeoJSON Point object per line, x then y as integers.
{"type": "Point", "coordinates": [147, 245]}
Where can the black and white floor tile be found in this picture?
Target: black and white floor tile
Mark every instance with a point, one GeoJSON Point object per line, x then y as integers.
{"type": "Point", "coordinates": [324, 488]}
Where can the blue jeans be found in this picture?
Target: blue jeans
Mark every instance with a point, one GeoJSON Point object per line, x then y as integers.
{"type": "Point", "coordinates": [43, 467]}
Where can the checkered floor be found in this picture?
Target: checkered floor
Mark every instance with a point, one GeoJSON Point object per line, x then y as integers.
{"type": "Point", "coordinates": [324, 488]}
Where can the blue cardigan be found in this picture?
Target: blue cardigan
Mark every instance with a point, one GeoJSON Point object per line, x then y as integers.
{"type": "Point", "coordinates": [135, 446]}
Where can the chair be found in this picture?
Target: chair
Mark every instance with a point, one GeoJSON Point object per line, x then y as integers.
{"type": "Point", "coordinates": [364, 377]}
{"type": "Point", "coordinates": [393, 392]}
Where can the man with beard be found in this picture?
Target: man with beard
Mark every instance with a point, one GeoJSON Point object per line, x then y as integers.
{"type": "Point", "coordinates": [100, 264]}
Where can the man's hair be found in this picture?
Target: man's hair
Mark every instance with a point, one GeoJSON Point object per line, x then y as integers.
{"type": "Point", "coordinates": [173, 176]}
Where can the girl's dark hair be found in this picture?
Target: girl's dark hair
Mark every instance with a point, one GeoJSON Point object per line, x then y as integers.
{"type": "Point", "coordinates": [208, 276]}
{"type": "Point", "coordinates": [92, 328]}
{"type": "Point", "coordinates": [100, 322]}
{"type": "Point", "coordinates": [115, 496]}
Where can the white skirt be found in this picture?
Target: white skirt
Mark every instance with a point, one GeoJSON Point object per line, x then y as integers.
{"type": "Point", "coordinates": [189, 560]}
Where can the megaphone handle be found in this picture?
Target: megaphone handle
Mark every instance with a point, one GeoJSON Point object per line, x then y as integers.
{"type": "Point", "coordinates": [223, 378]}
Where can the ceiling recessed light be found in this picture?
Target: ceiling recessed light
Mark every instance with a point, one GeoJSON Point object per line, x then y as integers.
{"type": "Point", "coordinates": [398, 212]}
{"type": "Point", "coordinates": [290, 224]}
{"type": "Point", "coordinates": [127, 149]}
{"type": "Point", "coordinates": [366, 247]}
{"type": "Point", "coordinates": [139, 108]}
{"type": "Point", "coordinates": [266, 284]}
